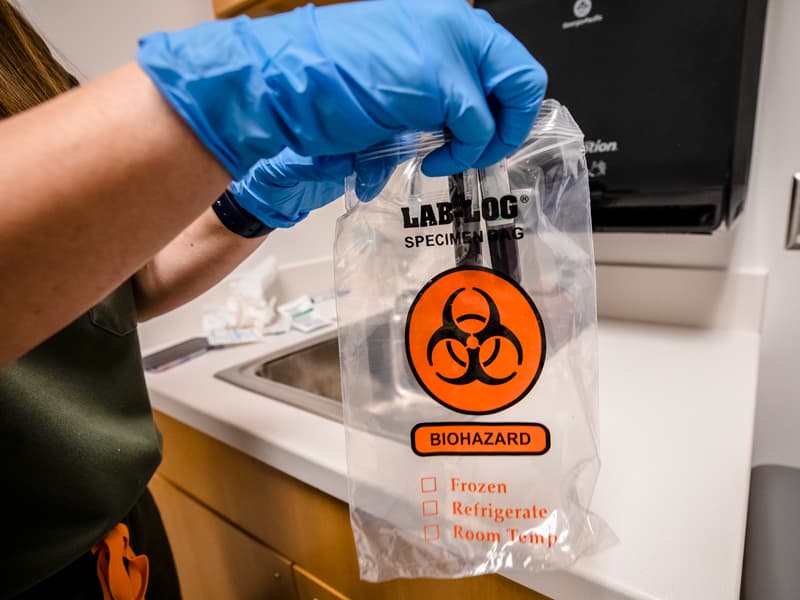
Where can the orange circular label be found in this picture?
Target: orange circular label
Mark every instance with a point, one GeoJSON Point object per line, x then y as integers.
{"type": "Point", "coordinates": [475, 340]}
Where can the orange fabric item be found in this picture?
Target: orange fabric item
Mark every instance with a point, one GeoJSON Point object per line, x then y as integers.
{"type": "Point", "coordinates": [123, 574]}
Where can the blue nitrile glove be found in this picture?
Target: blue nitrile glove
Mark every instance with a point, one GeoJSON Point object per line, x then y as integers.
{"type": "Point", "coordinates": [338, 79]}
{"type": "Point", "coordinates": [282, 190]}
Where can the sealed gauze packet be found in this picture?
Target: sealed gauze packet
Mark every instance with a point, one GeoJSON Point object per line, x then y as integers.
{"type": "Point", "coordinates": [468, 348]}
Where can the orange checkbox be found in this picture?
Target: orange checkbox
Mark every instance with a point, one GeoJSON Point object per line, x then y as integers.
{"type": "Point", "coordinates": [431, 533]}
{"type": "Point", "coordinates": [430, 508]}
{"type": "Point", "coordinates": [427, 484]}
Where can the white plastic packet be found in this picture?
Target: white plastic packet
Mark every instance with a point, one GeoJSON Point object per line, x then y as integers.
{"type": "Point", "coordinates": [305, 314]}
{"type": "Point", "coordinates": [467, 334]}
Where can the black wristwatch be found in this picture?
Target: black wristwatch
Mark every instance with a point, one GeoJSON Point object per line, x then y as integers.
{"type": "Point", "coordinates": [237, 219]}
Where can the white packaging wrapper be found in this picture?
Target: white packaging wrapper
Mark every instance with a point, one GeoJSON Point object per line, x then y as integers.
{"type": "Point", "coordinates": [247, 314]}
{"type": "Point", "coordinates": [468, 347]}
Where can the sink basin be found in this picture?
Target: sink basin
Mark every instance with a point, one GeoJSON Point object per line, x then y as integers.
{"type": "Point", "coordinates": [306, 376]}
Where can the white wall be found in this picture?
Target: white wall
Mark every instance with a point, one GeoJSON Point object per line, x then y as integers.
{"type": "Point", "coordinates": [776, 158]}
{"type": "Point", "coordinates": [97, 35]}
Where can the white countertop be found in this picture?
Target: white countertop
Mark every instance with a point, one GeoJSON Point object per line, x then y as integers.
{"type": "Point", "coordinates": [676, 422]}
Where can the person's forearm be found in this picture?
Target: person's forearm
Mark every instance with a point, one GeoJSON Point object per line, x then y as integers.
{"type": "Point", "coordinates": [193, 262]}
{"type": "Point", "coordinates": [94, 183]}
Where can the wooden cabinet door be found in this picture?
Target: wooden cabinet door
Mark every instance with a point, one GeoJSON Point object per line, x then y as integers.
{"type": "Point", "coordinates": [311, 588]}
{"type": "Point", "coordinates": [257, 8]}
{"type": "Point", "coordinates": [227, 8]}
{"type": "Point", "coordinates": [310, 528]}
{"type": "Point", "coordinates": [215, 560]}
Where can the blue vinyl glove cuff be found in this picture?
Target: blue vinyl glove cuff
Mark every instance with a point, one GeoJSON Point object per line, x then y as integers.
{"type": "Point", "coordinates": [282, 190]}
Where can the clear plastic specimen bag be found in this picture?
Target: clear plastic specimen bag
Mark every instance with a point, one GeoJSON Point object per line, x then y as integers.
{"type": "Point", "coordinates": [468, 349]}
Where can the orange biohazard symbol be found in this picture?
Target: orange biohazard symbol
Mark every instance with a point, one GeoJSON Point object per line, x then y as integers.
{"type": "Point", "coordinates": [475, 340]}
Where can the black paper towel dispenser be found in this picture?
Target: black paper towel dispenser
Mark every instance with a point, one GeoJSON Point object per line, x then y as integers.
{"type": "Point", "coordinates": [665, 92]}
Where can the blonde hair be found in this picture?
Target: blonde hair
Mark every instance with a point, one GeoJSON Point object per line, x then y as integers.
{"type": "Point", "coordinates": [29, 75]}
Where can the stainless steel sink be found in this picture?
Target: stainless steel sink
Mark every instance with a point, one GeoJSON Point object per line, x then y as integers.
{"type": "Point", "coordinates": [306, 375]}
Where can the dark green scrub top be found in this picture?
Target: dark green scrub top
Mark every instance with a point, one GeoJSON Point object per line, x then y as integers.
{"type": "Point", "coordinates": [77, 440]}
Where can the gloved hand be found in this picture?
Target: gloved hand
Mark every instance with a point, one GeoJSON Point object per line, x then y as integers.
{"type": "Point", "coordinates": [338, 79]}
{"type": "Point", "coordinates": [282, 190]}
